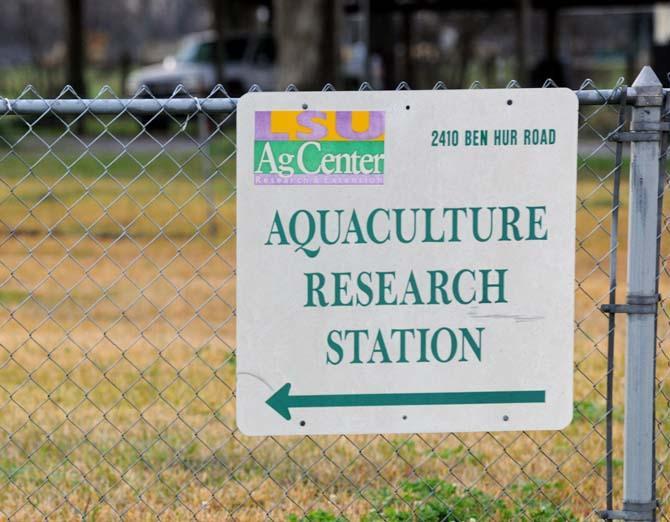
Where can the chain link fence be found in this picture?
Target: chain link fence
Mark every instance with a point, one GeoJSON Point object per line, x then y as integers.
{"type": "Point", "coordinates": [117, 340]}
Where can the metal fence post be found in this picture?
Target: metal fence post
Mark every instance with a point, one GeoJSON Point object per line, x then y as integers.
{"type": "Point", "coordinates": [639, 495]}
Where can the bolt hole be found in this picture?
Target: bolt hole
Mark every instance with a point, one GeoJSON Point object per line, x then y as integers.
{"type": "Point", "coordinates": [509, 102]}
{"type": "Point", "coordinates": [406, 107]}
{"type": "Point", "coordinates": [304, 106]}
{"type": "Point", "coordinates": [505, 418]}
{"type": "Point", "coordinates": [404, 417]}
{"type": "Point", "coordinates": [302, 423]}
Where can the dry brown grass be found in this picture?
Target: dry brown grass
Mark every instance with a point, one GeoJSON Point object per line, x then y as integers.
{"type": "Point", "coordinates": [117, 366]}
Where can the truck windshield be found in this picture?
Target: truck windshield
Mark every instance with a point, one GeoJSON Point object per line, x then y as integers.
{"type": "Point", "coordinates": [203, 52]}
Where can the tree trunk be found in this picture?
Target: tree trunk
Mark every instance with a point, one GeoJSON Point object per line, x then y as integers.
{"type": "Point", "coordinates": [75, 45]}
{"type": "Point", "coordinates": [218, 13]}
{"type": "Point", "coordinates": [307, 41]}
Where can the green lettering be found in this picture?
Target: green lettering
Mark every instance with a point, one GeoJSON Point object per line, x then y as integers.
{"type": "Point", "coordinates": [500, 285]}
{"type": "Point", "coordinates": [457, 286]}
{"type": "Point", "coordinates": [365, 287]}
{"type": "Point", "coordinates": [454, 221]}
{"type": "Point", "coordinates": [508, 223]}
{"type": "Point", "coordinates": [356, 359]}
{"type": "Point", "coordinates": [402, 358]}
{"type": "Point", "coordinates": [277, 228]}
{"type": "Point", "coordinates": [535, 223]}
{"type": "Point", "coordinates": [475, 346]}
{"type": "Point", "coordinates": [428, 238]}
{"type": "Point", "coordinates": [411, 289]}
{"type": "Point", "coordinates": [371, 226]}
{"type": "Point", "coordinates": [341, 288]}
{"type": "Point", "coordinates": [380, 347]}
{"type": "Point", "coordinates": [354, 228]}
{"type": "Point", "coordinates": [434, 348]}
{"type": "Point", "coordinates": [436, 286]}
{"type": "Point", "coordinates": [385, 288]}
{"type": "Point", "coordinates": [315, 289]}
{"type": "Point", "coordinates": [335, 347]}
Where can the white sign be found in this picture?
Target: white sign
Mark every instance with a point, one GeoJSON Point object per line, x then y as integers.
{"type": "Point", "coordinates": [405, 261]}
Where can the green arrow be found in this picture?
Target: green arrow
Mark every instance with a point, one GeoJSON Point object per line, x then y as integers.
{"type": "Point", "coordinates": [282, 401]}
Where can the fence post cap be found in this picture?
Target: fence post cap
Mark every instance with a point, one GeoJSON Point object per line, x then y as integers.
{"type": "Point", "coordinates": [647, 79]}
{"type": "Point", "coordinates": [648, 89]}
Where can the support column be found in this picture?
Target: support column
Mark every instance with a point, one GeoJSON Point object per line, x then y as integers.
{"type": "Point", "coordinates": [639, 494]}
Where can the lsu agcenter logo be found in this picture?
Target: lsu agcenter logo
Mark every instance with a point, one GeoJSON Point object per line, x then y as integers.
{"type": "Point", "coordinates": [319, 147]}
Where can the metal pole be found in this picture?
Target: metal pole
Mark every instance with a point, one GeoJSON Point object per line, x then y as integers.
{"type": "Point", "coordinates": [611, 323]}
{"type": "Point", "coordinates": [639, 495]}
{"type": "Point", "coordinates": [187, 106]}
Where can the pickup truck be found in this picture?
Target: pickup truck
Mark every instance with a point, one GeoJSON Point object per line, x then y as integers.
{"type": "Point", "coordinates": [248, 59]}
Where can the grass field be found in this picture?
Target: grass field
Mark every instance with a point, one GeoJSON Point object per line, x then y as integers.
{"type": "Point", "coordinates": [117, 364]}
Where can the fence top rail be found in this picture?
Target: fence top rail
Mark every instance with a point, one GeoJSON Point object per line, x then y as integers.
{"type": "Point", "coordinates": [192, 104]}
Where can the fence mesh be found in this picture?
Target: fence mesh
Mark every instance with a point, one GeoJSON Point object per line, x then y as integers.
{"type": "Point", "coordinates": [117, 344]}
{"type": "Point", "coordinates": [663, 332]}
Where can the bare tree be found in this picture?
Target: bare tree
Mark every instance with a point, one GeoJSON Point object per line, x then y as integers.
{"type": "Point", "coordinates": [470, 28]}
{"type": "Point", "coordinates": [305, 31]}
{"type": "Point", "coordinates": [76, 58]}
